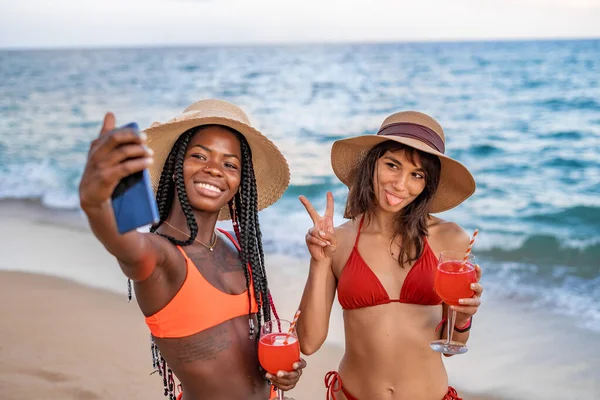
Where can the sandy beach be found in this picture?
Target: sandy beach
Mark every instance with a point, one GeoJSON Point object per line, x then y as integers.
{"type": "Point", "coordinates": [67, 331]}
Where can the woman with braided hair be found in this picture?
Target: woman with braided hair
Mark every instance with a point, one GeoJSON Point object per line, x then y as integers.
{"type": "Point", "coordinates": [203, 291]}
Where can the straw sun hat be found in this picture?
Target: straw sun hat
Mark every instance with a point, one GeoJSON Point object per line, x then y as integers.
{"type": "Point", "coordinates": [416, 130]}
{"type": "Point", "coordinates": [270, 167]}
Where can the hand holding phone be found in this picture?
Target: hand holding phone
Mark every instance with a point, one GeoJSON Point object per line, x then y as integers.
{"type": "Point", "coordinates": [133, 199]}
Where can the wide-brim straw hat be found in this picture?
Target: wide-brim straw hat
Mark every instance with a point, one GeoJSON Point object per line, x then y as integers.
{"type": "Point", "coordinates": [416, 130]}
{"type": "Point", "coordinates": [270, 167]}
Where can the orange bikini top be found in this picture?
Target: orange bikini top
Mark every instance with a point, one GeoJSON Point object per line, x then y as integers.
{"type": "Point", "coordinates": [198, 305]}
{"type": "Point", "coordinates": [359, 287]}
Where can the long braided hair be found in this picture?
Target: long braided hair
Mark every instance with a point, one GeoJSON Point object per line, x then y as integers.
{"type": "Point", "coordinates": [244, 214]}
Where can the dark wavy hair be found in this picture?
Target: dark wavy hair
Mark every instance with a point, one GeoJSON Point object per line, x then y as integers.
{"type": "Point", "coordinates": [410, 222]}
{"type": "Point", "coordinates": [244, 214]}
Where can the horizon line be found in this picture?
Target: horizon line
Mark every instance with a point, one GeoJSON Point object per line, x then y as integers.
{"type": "Point", "coordinates": [295, 43]}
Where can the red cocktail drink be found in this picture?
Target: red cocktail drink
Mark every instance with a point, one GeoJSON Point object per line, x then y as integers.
{"type": "Point", "coordinates": [453, 281]}
{"type": "Point", "coordinates": [453, 278]}
{"type": "Point", "coordinates": [274, 355]}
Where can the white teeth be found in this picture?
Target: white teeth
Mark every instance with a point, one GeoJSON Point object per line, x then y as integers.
{"type": "Point", "coordinates": [209, 187]}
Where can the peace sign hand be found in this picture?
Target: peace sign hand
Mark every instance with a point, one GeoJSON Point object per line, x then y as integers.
{"type": "Point", "coordinates": [320, 239]}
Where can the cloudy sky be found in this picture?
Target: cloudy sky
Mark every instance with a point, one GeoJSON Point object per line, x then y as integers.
{"type": "Point", "coordinates": [91, 23]}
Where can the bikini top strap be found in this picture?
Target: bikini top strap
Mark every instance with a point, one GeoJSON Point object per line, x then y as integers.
{"type": "Point", "coordinates": [360, 225]}
{"type": "Point", "coordinates": [230, 236]}
{"type": "Point", "coordinates": [237, 246]}
{"type": "Point", "coordinates": [182, 252]}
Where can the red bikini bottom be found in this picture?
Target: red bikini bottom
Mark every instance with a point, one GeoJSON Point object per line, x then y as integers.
{"type": "Point", "coordinates": [333, 383]}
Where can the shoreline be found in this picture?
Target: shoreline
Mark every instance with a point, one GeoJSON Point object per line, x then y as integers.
{"type": "Point", "coordinates": [56, 300]}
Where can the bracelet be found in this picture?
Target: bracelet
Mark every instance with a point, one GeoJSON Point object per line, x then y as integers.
{"type": "Point", "coordinates": [465, 328]}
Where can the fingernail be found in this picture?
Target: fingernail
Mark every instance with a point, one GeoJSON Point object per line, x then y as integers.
{"type": "Point", "coordinates": [328, 243]}
{"type": "Point", "coordinates": [322, 233]}
{"type": "Point", "coordinates": [280, 374]}
{"type": "Point", "coordinates": [472, 286]}
{"type": "Point", "coordinates": [268, 376]}
{"type": "Point", "coordinates": [149, 160]}
{"type": "Point", "coordinates": [143, 135]}
{"type": "Point", "coordinates": [461, 301]}
{"type": "Point", "coordinates": [295, 366]}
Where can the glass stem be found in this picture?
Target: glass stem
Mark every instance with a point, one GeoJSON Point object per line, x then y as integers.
{"type": "Point", "coordinates": [451, 321]}
{"type": "Point", "coordinates": [280, 394]}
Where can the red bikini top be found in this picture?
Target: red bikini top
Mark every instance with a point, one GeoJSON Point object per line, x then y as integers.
{"type": "Point", "coordinates": [359, 287]}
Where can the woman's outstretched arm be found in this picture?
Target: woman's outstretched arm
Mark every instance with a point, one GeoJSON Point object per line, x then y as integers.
{"type": "Point", "coordinates": [114, 155]}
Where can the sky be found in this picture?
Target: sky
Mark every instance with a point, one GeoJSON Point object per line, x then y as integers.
{"type": "Point", "coordinates": [124, 23]}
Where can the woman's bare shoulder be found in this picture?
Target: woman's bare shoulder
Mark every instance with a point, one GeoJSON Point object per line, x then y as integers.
{"type": "Point", "coordinates": [347, 228]}
{"type": "Point", "coordinates": [446, 235]}
{"type": "Point", "coordinates": [169, 258]}
{"type": "Point", "coordinates": [346, 235]}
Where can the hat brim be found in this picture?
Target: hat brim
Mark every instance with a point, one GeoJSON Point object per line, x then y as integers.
{"type": "Point", "coordinates": [456, 182]}
{"type": "Point", "coordinates": [270, 167]}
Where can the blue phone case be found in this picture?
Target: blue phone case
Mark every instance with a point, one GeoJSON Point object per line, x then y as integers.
{"type": "Point", "coordinates": [133, 199]}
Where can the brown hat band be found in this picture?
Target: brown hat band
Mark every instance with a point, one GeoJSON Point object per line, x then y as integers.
{"type": "Point", "coordinates": [414, 131]}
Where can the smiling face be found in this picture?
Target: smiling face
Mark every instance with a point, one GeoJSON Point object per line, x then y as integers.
{"type": "Point", "coordinates": [398, 180]}
{"type": "Point", "coordinates": [212, 168]}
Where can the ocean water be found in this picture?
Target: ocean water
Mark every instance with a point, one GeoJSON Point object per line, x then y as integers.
{"type": "Point", "coordinates": [523, 116]}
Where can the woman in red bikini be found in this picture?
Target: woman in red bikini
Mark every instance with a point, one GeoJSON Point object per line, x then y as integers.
{"type": "Point", "coordinates": [203, 291]}
{"type": "Point", "coordinates": [382, 262]}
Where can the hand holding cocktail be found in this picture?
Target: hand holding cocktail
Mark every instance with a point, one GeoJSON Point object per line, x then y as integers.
{"type": "Point", "coordinates": [279, 353]}
{"type": "Point", "coordinates": [456, 282]}
{"type": "Point", "coordinates": [468, 306]}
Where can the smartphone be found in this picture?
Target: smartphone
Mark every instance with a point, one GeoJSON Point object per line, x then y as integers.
{"type": "Point", "coordinates": [133, 199]}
